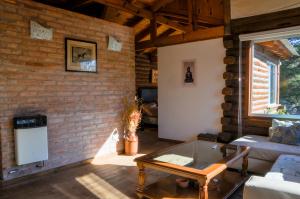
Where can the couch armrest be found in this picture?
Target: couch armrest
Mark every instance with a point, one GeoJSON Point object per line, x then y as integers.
{"type": "Point", "coordinates": [266, 188]}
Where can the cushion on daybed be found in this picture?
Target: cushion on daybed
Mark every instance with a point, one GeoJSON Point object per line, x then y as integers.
{"type": "Point", "coordinates": [263, 149]}
{"type": "Point", "coordinates": [285, 132]}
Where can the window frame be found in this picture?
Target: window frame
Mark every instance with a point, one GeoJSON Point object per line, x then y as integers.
{"type": "Point", "coordinates": [247, 59]}
{"type": "Point", "coordinates": [275, 81]}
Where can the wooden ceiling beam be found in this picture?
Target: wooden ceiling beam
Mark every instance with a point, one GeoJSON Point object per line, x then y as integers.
{"type": "Point", "coordinates": [153, 29]}
{"type": "Point", "coordinates": [142, 33]}
{"type": "Point", "coordinates": [166, 33]}
{"type": "Point", "coordinates": [160, 4]}
{"type": "Point", "coordinates": [200, 19]}
{"type": "Point", "coordinates": [198, 35]}
{"type": "Point", "coordinates": [128, 7]}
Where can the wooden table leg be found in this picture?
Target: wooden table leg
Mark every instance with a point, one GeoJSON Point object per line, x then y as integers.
{"type": "Point", "coordinates": [141, 180]}
{"type": "Point", "coordinates": [203, 191]}
{"type": "Point", "coordinates": [245, 165]}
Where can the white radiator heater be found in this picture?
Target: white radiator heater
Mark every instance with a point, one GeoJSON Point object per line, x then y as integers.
{"type": "Point", "coordinates": [31, 139]}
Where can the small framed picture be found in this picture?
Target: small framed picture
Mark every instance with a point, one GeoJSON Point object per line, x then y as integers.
{"type": "Point", "coordinates": [188, 74]}
{"type": "Point", "coordinates": [81, 56]}
{"type": "Point", "coordinates": [154, 76]}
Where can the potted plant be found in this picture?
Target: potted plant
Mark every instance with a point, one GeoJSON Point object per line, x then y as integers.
{"type": "Point", "coordinates": [131, 120]}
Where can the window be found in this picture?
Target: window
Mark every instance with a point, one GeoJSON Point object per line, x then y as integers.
{"type": "Point", "coordinates": [274, 76]}
{"type": "Point", "coordinates": [272, 84]}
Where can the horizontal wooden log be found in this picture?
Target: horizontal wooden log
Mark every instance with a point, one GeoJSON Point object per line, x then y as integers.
{"type": "Point", "coordinates": [230, 60]}
{"type": "Point", "coordinates": [228, 44]}
{"type": "Point", "coordinates": [230, 76]}
{"type": "Point", "coordinates": [226, 120]}
{"type": "Point", "coordinates": [228, 91]}
{"type": "Point", "coordinates": [226, 106]}
{"type": "Point", "coordinates": [281, 19]}
{"type": "Point", "coordinates": [198, 35]}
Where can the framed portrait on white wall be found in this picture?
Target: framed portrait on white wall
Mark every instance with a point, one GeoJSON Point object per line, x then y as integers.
{"type": "Point", "coordinates": [188, 74]}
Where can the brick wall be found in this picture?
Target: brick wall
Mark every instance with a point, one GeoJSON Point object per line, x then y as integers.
{"type": "Point", "coordinates": [83, 109]}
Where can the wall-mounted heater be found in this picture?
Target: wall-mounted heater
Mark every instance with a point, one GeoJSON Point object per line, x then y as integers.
{"type": "Point", "coordinates": [31, 139]}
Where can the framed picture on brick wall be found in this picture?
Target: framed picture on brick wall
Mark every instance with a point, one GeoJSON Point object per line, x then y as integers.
{"type": "Point", "coordinates": [81, 56]}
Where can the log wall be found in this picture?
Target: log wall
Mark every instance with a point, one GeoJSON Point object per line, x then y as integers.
{"type": "Point", "coordinates": [144, 63]}
{"type": "Point", "coordinates": [250, 125]}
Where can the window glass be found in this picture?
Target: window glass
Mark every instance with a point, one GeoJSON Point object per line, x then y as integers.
{"type": "Point", "coordinates": [275, 77]}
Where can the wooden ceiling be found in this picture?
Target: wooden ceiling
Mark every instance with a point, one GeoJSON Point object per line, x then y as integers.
{"type": "Point", "coordinates": [157, 22]}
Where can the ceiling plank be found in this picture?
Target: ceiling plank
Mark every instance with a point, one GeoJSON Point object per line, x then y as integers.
{"type": "Point", "coordinates": [80, 4]}
{"type": "Point", "coordinates": [128, 7]}
{"type": "Point", "coordinates": [160, 4]}
{"type": "Point", "coordinates": [198, 35]}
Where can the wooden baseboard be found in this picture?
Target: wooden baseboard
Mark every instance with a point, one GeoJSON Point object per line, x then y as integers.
{"type": "Point", "coordinates": [170, 140]}
{"type": "Point", "coordinates": [5, 184]}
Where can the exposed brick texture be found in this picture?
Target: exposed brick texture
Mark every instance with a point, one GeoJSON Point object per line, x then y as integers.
{"type": "Point", "coordinates": [83, 109]}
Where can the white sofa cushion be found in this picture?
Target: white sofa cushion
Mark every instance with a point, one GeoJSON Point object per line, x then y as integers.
{"type": "Point", "coordinates": [263, 149]}
{"type": "Point", "coordinates": [286, 168]}
{"type": "Point", "coordinates": [263, 188]}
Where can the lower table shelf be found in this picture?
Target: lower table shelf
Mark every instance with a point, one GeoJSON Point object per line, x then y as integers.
{"type": "Point", "coordinates": [228, 182]}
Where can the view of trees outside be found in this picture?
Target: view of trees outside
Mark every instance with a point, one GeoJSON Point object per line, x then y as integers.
{"type": "Point", "coordinates": [290, 81]}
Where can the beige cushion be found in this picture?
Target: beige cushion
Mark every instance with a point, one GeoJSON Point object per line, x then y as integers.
{"type": "Point", "coordinates": [264, 188]}
{"type": "Point", "coordinates": [263, 149]}
{"type": "Point", "coordinates": [286, 168]}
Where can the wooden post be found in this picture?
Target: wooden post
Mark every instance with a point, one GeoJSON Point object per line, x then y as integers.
{"type": "Point", "coordinates": [245, 165]}
{"type": "Point", "coordinates": [153, 28]}
{"type": "Point", "coordinates": [141, 180]}
{"type": "Point", "coordinates": [203, 191]}
{"type": "Point", "coordinates": [195, 15]}
{"type": "Point", "coordinates": [190, 14]}
{"type": "Point", "coordinates": [227, 17]}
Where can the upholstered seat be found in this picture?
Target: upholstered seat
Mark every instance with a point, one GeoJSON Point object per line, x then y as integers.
{"type": "Point", "coordinates": [282, 182]}
{"type": "Point", "coordinates": [286, 168]}
{"type": "Point", "coordinates": [263, 149]}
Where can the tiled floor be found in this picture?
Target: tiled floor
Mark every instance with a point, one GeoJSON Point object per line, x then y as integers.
{"type": "Point", "coordinates": [109, 178]}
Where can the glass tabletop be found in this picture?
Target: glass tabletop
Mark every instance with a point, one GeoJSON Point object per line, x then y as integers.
{"type": "Point", "coordinates": [196, 154]}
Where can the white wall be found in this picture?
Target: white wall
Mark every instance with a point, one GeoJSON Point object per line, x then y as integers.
{"type": "Point", "coordinates": [246, 8]}
{"type": "Point", "coordinates": [185, 111]}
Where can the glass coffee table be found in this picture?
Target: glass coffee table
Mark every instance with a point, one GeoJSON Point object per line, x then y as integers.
{"type": "Point", "coordinates": [203, 163]}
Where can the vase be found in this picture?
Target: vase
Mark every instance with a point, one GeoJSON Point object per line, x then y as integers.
{"type": "Point", "coordinates": [131, 144]}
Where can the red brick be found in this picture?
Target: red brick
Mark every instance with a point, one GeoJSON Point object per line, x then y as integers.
{"type": "Point", "coordinates": [33, 80]}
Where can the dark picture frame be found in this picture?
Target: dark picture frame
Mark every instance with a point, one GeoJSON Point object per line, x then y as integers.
{"type": "Point", "coordinates": [189, 72]}
{"type": "Point", "coordinates": [80, 56]}
{"type": "Point", "coordinates": [154, 76]}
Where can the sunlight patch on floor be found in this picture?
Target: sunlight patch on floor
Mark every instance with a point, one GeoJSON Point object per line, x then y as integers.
{"type": "Point", "coordinates": [121, 160]}
{"type": "Point", "coordinates": [100, 187]}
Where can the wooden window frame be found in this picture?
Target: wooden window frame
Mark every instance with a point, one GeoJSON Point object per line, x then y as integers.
{"type": "Point", "coordinates": [247, 64]}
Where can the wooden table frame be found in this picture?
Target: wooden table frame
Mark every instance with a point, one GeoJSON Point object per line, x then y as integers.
{"type": "Point", "coordinates": [203, 177]}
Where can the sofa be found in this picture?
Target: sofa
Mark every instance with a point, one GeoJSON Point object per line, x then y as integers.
{"type": "Point", "coordinates": [275, 160]}
{"type": "Point", "coordinates": [281, 182]}
{"type": "Point", "coordinates": [263, 152]}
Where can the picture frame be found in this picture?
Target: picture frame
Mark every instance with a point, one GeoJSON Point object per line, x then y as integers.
{"type": "Point", "coordinates": [80, 55]}
{"type": "Point", "coordinates": [154, 76]}
{"type": "Point", "coordinates": [189, 72]}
